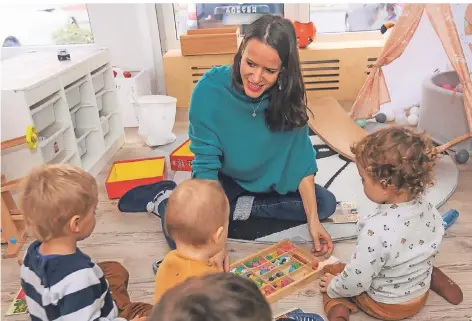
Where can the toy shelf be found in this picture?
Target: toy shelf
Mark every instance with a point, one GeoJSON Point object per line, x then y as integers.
{"type": "Point", "coordinates": [72, 105]}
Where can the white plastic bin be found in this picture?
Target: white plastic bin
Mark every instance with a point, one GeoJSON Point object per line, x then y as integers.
{"type": "Point", "coordinates": [156, 116]}
{"type": "Point", "coordinates": [100, 102]}
{"type": "Point", "coordinates": [52, 142]}
{"type": "Point", "coordinates": [98, 82]}
{"type": "Point", "coordinates": [73, 97]}
{"type": "Point", "coordinates": [105, 125]}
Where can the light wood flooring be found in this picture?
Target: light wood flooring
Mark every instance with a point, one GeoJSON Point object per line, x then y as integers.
{"type": "Point", "coordinates": [136, 240]}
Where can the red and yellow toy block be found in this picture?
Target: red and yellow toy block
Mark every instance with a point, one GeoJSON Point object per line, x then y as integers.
{"type": "Point", "coordinates": [127, 174]}
{"type": "Point", "coordinates": [181, 158]}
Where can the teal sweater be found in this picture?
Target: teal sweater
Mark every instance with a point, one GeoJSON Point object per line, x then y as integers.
{"type": "Point", "coordinates": [226, 138]}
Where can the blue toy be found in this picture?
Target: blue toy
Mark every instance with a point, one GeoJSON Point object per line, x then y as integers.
{"type": "Point", "coordinates": [449, 218]}
{"type": "Point", "coordinates": [302, 317]}
{"type": "Point", "coordinates": [361, 122]}
{"type": "Point", "coordinates": [13, 240]}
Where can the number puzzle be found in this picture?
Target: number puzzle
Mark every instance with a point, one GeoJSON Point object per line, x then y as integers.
{"type": "Point", "coordinates": [280, 269]}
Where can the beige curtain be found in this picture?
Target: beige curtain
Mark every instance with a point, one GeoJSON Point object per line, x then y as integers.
{"type": "Point", "coordinates": [442, 20]}
{"type": "Point", "coordinates": [374, 92]}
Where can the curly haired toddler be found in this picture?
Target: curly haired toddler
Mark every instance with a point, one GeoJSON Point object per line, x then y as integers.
{"type": "Point", "coordinates": [391, 270]}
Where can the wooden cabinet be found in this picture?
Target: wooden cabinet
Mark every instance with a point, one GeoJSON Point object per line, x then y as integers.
{"type": "Point", "coordinates": [336, 68]}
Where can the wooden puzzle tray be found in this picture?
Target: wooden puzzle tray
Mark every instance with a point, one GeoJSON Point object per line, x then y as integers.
{"type": "Point", "coordinates": [280, 269]}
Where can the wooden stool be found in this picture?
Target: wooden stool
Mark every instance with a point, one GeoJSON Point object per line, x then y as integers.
{"type": "Point", "coordinates": [13, 231]}
{"type": "Point", "coordinates": [13, 224]}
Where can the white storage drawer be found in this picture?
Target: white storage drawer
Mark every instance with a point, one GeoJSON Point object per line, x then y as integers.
{"type": "Point", "coordinates": [73, 97]}
{"type": "Point", "coordinates": [98, 82]}
{"type": "Point", "coordinates": [105, 125]}
{"type": "Point", "coordinates": [81, 147]}
{"type": "Point", "coordinates": [100, 102]}
{"type": "Point", "coordinates": [43, 115]}
{"type": "Point", "coordinates": [52, 142]}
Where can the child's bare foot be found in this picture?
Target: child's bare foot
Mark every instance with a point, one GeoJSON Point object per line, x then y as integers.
{"type": "Point", "coordinates": [339, 312]}
{"type": "Point", "coordinates": [445, 287]}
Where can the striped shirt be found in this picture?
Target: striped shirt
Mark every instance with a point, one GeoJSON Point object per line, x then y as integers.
{"type": "Point", "coordinates": [65, 287]}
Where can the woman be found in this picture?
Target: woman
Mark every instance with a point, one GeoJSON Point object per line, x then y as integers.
{"type": "Point", "coordinates": [248, 129]}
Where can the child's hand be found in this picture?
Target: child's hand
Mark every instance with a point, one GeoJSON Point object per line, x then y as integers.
{"type": "Point", "coordinates": [325, 281]}
{"type": "Point", "coordinates": [221, 260]}
{"type": "Point", "coordinates": [138, 318]}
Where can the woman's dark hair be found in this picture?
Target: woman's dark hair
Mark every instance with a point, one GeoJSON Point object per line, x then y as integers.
{"type": "Point", "coordinates": [215, 297]}
{"type": "Point", "coordinates": [287, 107]}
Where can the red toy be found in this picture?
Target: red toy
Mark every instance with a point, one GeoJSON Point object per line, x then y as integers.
{"type": "Point", "coordinates": [305, 33]}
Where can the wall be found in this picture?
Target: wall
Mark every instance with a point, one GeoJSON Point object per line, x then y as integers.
{"type": "Point", "coordinates": [130, 31]}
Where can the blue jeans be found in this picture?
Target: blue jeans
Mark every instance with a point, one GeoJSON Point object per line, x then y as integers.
{"type": "Point", "coordinates": [269, 205]}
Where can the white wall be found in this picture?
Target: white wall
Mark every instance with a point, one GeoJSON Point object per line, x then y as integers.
{"type": "Point", "coordinates": [130, 31]}
{"type": "Point", "coordinates": [131, 34]}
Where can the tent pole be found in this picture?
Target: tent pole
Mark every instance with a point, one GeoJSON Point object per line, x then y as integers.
{"type": "Point", "coordinates": [453, 142]}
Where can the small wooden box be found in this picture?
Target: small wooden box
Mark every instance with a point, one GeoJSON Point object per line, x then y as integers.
{"type": "Point", "coordinates": [214, 41]}
{"type": "Point", "coordinates": [127, 174]}
{"type": "Point", "coordinates": [281, 269]}
{"type": "Point", "coordinates": [181, 158]}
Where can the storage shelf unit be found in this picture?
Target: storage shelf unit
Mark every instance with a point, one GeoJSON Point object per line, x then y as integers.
{"type": "Point", "coordinates": [72, 104]}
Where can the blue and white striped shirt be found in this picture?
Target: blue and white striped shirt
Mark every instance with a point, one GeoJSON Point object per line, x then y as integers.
{"type": "Point", "coordinates": [65, 287]}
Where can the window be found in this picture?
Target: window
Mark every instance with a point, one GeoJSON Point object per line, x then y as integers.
{"type": "Point", "coordinates": [45, 25]}
{"type": "Point", "coordinates": [353, 17]}
{"type": "Point", "coordinates": [218, 15]}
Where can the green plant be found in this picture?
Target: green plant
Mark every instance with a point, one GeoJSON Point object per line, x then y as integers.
{"type": "Point", "coordinates": [72, 34]}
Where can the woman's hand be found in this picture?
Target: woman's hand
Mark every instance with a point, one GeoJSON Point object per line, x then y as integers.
{"type": "Point", "coordinates": [221, 260]}
{"type": "Point", "coordinates": [322, 243]}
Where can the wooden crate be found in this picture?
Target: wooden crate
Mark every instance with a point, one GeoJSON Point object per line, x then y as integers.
{"type": "Point", "coordinates": [281, 269]}
{"type": "Point", "coordinates": [213, 41]}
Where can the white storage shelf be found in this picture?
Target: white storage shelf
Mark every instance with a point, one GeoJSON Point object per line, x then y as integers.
{"type": "Point", "coordinates": [71, 104]}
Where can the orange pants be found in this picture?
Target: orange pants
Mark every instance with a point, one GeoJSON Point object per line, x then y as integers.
{"type": "Point", "coordinates": [118, 277]}
{"type": "Point", "coordinates": [375, 309]}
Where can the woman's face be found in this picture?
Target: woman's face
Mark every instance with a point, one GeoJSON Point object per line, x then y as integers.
{"type": "Point", "coordinates": [260, 67]}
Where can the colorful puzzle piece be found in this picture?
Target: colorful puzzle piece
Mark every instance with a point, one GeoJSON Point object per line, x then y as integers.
{"type": "Point", "coordinates": [281, 260]}
{"type": "Point", "coordinates": [294, 266]}
{"type": "Point", "coordinates": [275, 275]}
{"type": "Point", "coordinates": [258, 261]}
{"type": "Point", "coordinates": [266, 268]}
{"type": "Point", "coordinates": [268, 290]}
{"type": "Point", "coordinates": [239, 270]}
{"type": "Point", "coordinates": [287, 247]}
{"type": "Point", "coordinates": [281, 283]}
{"type": "Point", "coordinates": [275, 254]}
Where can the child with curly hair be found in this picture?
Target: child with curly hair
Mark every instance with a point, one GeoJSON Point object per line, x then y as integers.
{"type": "Point", "coordinates": [391, 269]}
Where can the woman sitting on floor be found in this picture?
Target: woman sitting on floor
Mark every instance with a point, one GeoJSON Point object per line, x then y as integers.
{"type": "Point", "coordinates": [248, 129]}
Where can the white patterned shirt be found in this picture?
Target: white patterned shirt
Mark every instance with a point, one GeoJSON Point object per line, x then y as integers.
{"type": "Point", "coordinates": [392, 261]}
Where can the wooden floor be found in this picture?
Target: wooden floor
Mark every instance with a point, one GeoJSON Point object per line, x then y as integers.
{"type": "Point", "coordinates": [136, 240]}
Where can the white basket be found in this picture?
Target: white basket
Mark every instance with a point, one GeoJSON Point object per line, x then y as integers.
{"type": "Point", "coordinates": [105, 125]}
{"type": "Point", "coordinates": [98, 82]}
{"type": "Point", "coordinates": [100, 102]}
{"type": "Point", "coordinates": [156, 115]}
{"type": "Point", "coordinates": [73, 97]}
{"type": "Point", "coordinates": [43, 115]}
{"type": "Point", "coordinates": [82, 147]}
{"type": "Point", "coordinates": [53, 143]}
